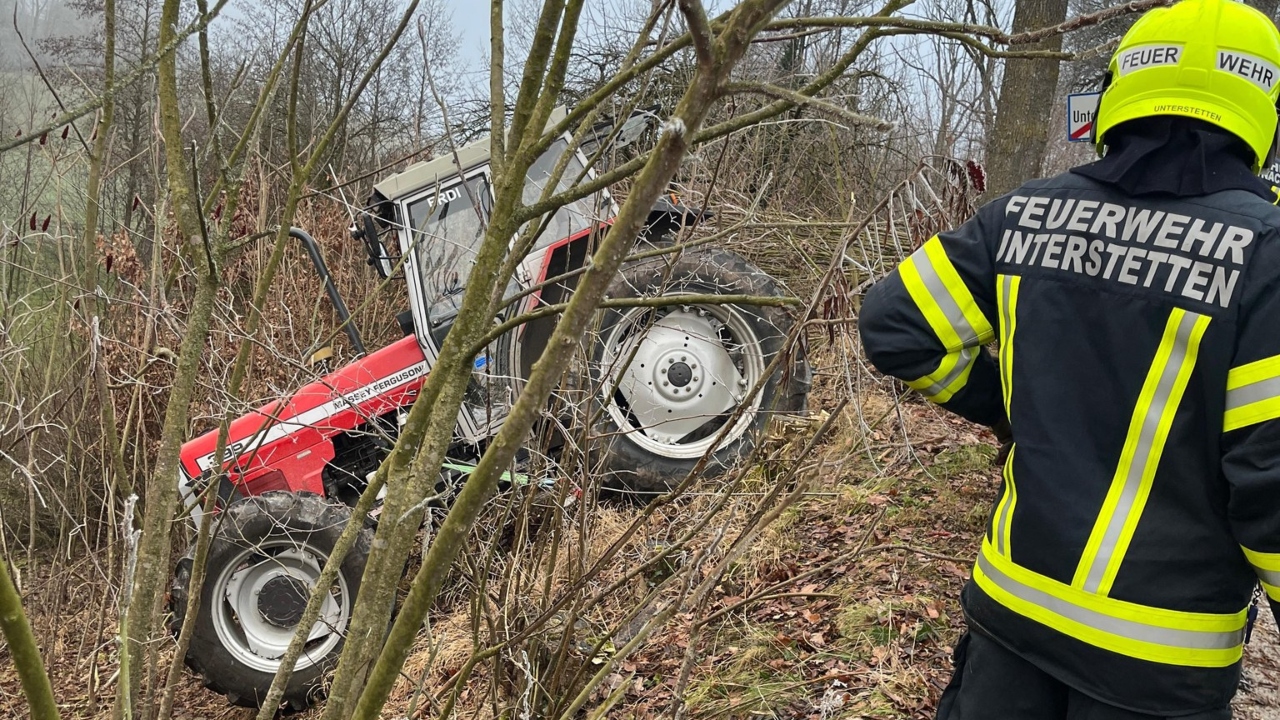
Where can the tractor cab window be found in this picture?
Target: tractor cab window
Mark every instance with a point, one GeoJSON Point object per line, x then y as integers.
{"type": "Point", "coordinates": [572, 218]}
{"type": "Point", "coordinates": [449, 225]}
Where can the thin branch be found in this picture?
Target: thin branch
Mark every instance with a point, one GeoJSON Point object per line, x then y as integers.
{"type": "Point", "coordinates": [647, 302]}
{"type": "Point", "coordinates": [796, 98]}
{"type": "Point", "coordinates": [535, 66]}
{"type": "Point", "coordinates": [497, 100]}
{"type": "Point", "coordinates": [699, 30]}
{"type": "Point", "coordinates": [1138, 6]}
{"type": "Point", "coordinates": [143, 68]}
{"type": "Point", "coordinates": [44, 78]}
{"type": "Point", "coordinates": [206, 78]}
{"type": "Point", "coordinates": [994, 34]}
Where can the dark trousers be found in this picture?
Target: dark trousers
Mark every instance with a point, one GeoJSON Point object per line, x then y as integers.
{"type": "Point", "coordinates": [991, 683]}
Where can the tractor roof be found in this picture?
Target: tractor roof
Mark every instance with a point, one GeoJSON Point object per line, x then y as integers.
{"type": "Point", "coordinates": [439, 170]}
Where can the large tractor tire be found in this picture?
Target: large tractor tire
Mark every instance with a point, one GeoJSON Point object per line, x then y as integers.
{"type": "Point", "coordinates": [668, 380]}
{"type": "Point", "coordinates": [265, 556]}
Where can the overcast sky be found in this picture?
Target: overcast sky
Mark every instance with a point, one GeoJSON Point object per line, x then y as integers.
{"type": "Point", "coordinates": [471, 18]}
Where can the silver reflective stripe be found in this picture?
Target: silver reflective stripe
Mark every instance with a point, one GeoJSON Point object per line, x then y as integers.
{"type": "Point", "coordinates": [1253, 392]}
{"type": "Point", "coordinates": [1006, 372]}
{"type": "Point", "coordinates": [1007, 509]}
{"type": "Point", "coordinates": [1141, 453]}
{"type": "Point", "coordinates": [942, 298]}
{"type": "Point", "coordinates": [1270, 577]}
{"type": "Point", "coordinates": [1006, 322]}
{"type": "Point", "coordinates": [966, 359]}
{"type": "Point", "coordinates": [1186, 639]}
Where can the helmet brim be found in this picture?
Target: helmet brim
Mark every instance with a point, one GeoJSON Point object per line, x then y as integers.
{"type": "Point", "coordinates": [1221, 114]}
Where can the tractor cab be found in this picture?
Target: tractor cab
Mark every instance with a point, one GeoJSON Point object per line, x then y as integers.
{"type": "Point", "coordinates": [436, 214]}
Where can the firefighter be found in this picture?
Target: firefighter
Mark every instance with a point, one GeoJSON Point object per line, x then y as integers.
{"type": "Point", "coordinates": [1135, 303]}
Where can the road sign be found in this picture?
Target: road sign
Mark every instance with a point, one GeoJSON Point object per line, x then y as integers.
{"type": "Point", "coordinates": [1081, 108]}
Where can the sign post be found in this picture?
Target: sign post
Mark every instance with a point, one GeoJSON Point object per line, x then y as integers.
{"type": "Point", "coordinates": [1081, 110]}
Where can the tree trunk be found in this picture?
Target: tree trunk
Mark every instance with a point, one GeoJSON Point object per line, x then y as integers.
{"type": "Point", "coordinates": [1016, 148]}
{"type": "Point", "coordinates": [25, 651]}
{"type": "Point", "coordinates": [161, 495]}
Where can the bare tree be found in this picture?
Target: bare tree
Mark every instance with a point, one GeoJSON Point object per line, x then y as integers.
{"type": "Point", "coordinates": [1016, 149]}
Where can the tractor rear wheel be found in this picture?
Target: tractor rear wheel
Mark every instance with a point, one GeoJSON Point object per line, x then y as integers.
{"type": "Point", "coordinates": [673, 383]}
{"type": "Point", "coordinates": [266, 555]}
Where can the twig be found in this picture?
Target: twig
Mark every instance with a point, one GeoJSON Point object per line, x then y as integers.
{"type": "Point", "coordinates": [57, 97]}
{"type": "Point", "coordinates": [792, 96]}
{"type": "Point", "coordinates": [143, 68]}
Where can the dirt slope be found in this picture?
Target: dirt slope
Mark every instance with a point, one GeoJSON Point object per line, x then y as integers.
{"type": "Point", "coordinates": [872, 560]}
{"type": "Point", "coordinates": [1259, 695]}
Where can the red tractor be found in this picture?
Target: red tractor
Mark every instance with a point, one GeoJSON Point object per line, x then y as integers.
{"type": "Point", "coordinates": [666, 382]}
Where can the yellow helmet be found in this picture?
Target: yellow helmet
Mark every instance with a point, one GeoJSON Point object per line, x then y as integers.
{"type": "Point", "coordinates": [1215, 60]}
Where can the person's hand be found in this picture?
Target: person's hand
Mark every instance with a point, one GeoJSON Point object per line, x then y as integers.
{"type": "Point", "coordinates": [1004, 436]}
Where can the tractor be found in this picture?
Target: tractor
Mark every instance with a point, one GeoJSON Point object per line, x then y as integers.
{"type": "Point", "coordinates": [668, 385]}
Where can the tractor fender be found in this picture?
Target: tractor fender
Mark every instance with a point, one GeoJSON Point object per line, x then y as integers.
{"type": "Point", "coordinates": [668, 215]}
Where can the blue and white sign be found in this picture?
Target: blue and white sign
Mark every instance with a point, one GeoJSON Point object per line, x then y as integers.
{"type": "Point", "coordinates": [1081, 109]}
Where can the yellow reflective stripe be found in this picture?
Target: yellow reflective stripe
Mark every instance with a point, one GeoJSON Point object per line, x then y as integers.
{"type": "Point", "coordinates": [1253, 394]}
{"type": "Point", "coordinates": [958, 292]}
{"type": "Point", "coordinates": [1267, 565]}
{"type": "Point", "coordinates": [1147, 633]}
{"type": "Point", "coordinates": [1272, 591]}
{"type": "Point", "coordinates": [1002, 522]}
{"type": "Point", "coordinates": [953, 315]}
{"type": "Point", "coordinates": [1148, 429]}
{"type": "Point", "coordinates": [952, 375]}
{"type": "Point", "coordinates": [1007, 302]}
{"type": "Point", "coordinates": [1007, 287]}
{"type": "Point", "coordinates": [1263, 561]}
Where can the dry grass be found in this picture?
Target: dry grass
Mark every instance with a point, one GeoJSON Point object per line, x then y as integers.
{"type": "Point", "coordinates": [869, 637]}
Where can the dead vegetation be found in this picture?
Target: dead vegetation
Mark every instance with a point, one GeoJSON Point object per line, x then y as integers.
{"type": "Point", "coordinates": [820, 580]}
{"type": "Point", "coordinates": [847, 607]}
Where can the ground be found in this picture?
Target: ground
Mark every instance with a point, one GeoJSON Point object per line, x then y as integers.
{"type": "Point", "coordinates": [1259, 696]}
{"type": "Point", "coordinates": [861, 580]}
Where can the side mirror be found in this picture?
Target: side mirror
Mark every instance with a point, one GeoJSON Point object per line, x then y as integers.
{"type": "Point", "coordinates": [366, 231]}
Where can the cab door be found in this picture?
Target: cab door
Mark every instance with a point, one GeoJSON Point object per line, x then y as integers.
{"type": "Point", "coordinates": [445, 226]}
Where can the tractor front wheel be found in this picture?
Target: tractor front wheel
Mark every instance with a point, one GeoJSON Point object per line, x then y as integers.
{"type": "Point", "coordinates": [264, 559]}
{"type": "Point", "coordinates": [674, 383]}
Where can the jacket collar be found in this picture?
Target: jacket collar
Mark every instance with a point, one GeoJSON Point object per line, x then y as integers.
{"type": "Point", "coordinates": [1175, 157]}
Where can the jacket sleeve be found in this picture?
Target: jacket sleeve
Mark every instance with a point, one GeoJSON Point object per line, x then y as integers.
{"type": "Point", "coordinates": [927, 321]}
{"type": "Point", "coordinates": [1251, 438]}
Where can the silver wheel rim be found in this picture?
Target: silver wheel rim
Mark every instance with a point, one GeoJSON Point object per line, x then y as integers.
{"type": "Point", "coordinates": [246, 633]}
{"type": "Point", "coordinates": [680, 412]}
